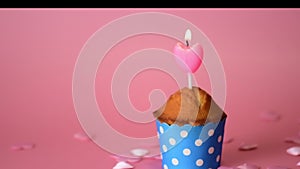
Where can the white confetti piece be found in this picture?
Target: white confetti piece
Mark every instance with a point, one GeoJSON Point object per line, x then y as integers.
{"type": "Point", "coordinates": [122, 165]}
{"type": "Point", "coordinates": [295, 151]}
{"type": "Point", "coordinates": [139, 152]}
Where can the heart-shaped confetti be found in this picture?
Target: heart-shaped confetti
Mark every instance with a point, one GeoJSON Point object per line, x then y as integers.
{"type": "Point", "coordinates": [247, 147]}
{"type": "Point", "coordinates": [295, 151]}
{"type": "Point", "coordinates": [122, 165]}
{"type": "Point", "coordinates": [248, 166]}
{"type": "Point", "coordinates": [139, 152]}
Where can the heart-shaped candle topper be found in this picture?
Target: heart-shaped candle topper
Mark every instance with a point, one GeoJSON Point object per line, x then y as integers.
{"type": "Point", "coordinates": [189, 58]}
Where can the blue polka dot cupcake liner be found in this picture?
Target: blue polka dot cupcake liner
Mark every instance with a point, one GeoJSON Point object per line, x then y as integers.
{"type": "Point", "coordinates": [191, 147]}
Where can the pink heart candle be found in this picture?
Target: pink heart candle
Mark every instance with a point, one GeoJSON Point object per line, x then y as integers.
{"type": "Point", "coordinates": [189, 58]}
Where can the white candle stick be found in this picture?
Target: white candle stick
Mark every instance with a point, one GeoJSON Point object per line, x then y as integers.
{"type": "Point", "coordinates": [190, 80]}
{"type": "Point", "coordinates": [188, 38]}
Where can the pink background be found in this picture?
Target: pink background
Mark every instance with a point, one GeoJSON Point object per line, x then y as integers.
{"type": "Point", "coordinates": [259, 50]}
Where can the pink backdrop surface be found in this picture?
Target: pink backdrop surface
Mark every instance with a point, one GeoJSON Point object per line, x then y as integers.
{"type": "Point", "coordinates": [259, 50]}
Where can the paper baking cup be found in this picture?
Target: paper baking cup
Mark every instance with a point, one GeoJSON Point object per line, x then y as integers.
{"type": "Point", "coordinates": [191, 147]}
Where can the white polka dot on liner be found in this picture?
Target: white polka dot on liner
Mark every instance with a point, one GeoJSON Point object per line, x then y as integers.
{"type": "Point", "coordinates": [211, 150]}
{"type": "Point", "coordinates": [183, 133]}
{"type": "Point", "coordinates": [164, 147]}
{"type": "Point", "coordinates": [198, 142]}
{"type": "Point", "coordinates": [219, 139]}
{"type": "Point", "coordinates": [175, 161]}
{"type": "Point", "coordinates": [165, 166]}
{"type": "Point", "coordinates": [161, 129]}
{"type": "Point", "coordinates": [157, 135]}
{"type": "Point", "coordinates": [199, 162]}
{"type": "Point", "coordinates": [218, 158]}
{"type": "Point", "coordinates": [172, 141]}
{"type": "Point", "coordinates": [186, 152]}
{"type": "Point", "coordinates": [211, 132]}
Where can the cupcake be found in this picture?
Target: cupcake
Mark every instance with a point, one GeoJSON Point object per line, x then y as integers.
{"type": "Point", "coordinates": [190, 128]}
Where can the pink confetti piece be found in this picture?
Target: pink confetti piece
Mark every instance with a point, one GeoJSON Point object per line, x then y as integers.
{"type": "Point", "coordinates": [248, 166]}
{"type": "Point", "coordinates": [277, 167]}
{"type": "Point", "coordinates": [247, 147]}
{"type": "Point", "coordinates": [298, 164]}
{"type": "Point", "coordinates": [295, 151]}
{"type": "Point", "coordinates": [270, 116]}
{"type": "Point", "coordinates": [81, 136]}
{"type": "Point", "coordinates": [122, 165]}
